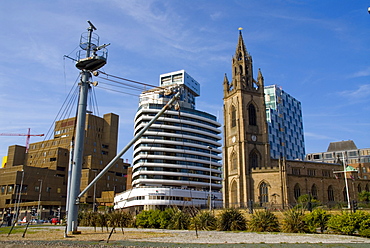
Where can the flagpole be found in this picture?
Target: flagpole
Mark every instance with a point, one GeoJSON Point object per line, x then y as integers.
{"type": "Point", "coordinates": [345, 180]}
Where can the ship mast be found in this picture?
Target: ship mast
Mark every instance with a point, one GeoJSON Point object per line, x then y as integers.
{"type": "Point", "coordinates": [96, 57]}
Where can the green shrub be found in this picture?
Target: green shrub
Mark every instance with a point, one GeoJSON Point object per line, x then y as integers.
{"type": "Point", "coordinates": [165, 217]}
{"type": "Point", "coordinates": [148, 219]}
{"type": "Point", "coordinates": [347, 223]}
{"type": "Point", "coordinates": [293, 221]}
{"type": "Point", "coordinates": [317, 219]}
{"type": "Point", "coordinates": [232, 220]}
{"type": "Point", "coordinates": [264, 221]}
{"type": "Point", "coordinates": [204, 220]}
{"type": "Point", "coordinates": [364, 229]}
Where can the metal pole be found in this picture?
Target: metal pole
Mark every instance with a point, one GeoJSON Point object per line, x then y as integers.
{"type": "Point", "coordinates": [94, 198]}
{"type": "Point", "coordinates": [38, 205]}
{"type": "Point", "coordinates": [79, 145]}
{"type": "Point", "coordinates": [119, 155]}
{"type": "Point", "coordinates": [345, 180]}
{"type": "Point", "coordinates": [210, 178]}
{"type": "Point", "coordinates": [19, 195]}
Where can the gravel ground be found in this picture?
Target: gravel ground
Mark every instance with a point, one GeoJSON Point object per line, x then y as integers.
{"type": "Point", "coordinates": [38, 236]}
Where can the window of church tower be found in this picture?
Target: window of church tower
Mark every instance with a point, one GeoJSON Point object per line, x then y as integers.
{"type": "Point", "coordinates": [234, 162]}
{"type": "Point", "coordinates": [252, 115]}
{"type": "Point", "coordinates": [253, 160]}
{"type": "Point", "coordinates": [233, 116]}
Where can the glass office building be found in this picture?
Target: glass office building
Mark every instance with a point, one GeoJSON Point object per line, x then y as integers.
{"type": "Point", "coordinates": [285, 124]}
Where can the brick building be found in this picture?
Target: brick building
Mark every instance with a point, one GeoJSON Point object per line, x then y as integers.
{"type": "Point", "coordinates": [38, 179]}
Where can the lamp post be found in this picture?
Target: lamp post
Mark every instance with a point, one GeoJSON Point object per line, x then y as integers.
{"type": "Point", "coordinates": [19, 195]}
{"type": "Point", "coordinates": [38, 205]}
{"type": "Point", "coordinates": [210, 178]}
{"type": "Point", "coordinates": [94, 197]}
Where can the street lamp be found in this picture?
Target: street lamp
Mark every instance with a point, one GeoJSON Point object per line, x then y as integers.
{"type": "Point", "coordinates": [38, 205]}
{"type": "Point", "coordinates": [19, 195]}
{"type": "Point", "coordinates": [368, 10]}
{"type": "Point", "coordinates": [210, 178]}
{"type": "Point", "coordinates": [94, 197]}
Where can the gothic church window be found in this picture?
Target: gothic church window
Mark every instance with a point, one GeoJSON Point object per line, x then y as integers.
{"type": "Point", "coordinates": [234, 194]}
{"type": "Point", "coordinates": [330, 193]}
{"type": "Point", "coordinates": [233, 116]}
{"type": "Point", "coordinates": [264, 193]}
{"type": "Point", "coordinates": [314, 191]}
{"type": "Point", "coordinates": [252, 115]}
{"type": "Point", "coordinates": [297, 191]}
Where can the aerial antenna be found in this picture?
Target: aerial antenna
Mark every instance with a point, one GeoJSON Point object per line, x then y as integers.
{"type": "Point", "coordinates": [91, 25]}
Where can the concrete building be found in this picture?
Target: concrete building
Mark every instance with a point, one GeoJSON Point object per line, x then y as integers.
{"type": "Point", "coordinates": [176, 162]}
{"type": "Point", "coordinates": [348, 152]}
{"type": "Point", "coordinates": [251, 176]}
{"type": "Point", "coordinates": [285, 124]}
{"type": "Point", "coordinates": [43, 171]}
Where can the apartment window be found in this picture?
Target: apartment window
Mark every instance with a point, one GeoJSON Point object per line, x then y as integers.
{"type": "Point", "coordinates": [328, 155]}
{"type": "Point", "coordinates": [37, 188]}
{"type": "Point", "coordinates": [316, 156]}
{"type": "Point", "coordinates": [59, 190]}
{"type": "Point", "coordinates": [352, 154]}
{"type": "Point", "coordinates": [2, 190]}
{"type": "Point", "coordinates": [48, 189]}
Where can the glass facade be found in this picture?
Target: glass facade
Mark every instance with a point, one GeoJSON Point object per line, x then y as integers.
{"type": "Point", "coordinates": [285, 124]}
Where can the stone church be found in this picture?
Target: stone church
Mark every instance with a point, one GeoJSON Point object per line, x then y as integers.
{"type": "Point", "coordinates": [251, 176]}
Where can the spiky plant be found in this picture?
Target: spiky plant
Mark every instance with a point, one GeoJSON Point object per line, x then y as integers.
{"type": "Point", "coordinates": [204, 220]}
{"type": "Point", "coordinates": [294, 221]}
{"type": "Point", "coordinates": [264, 221]}
{"type": "Point", "coordinates": [232, 220]}
{"type": "Point", "coordinates": [180, 221]}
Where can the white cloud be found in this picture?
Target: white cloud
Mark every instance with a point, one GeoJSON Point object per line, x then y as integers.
{"type": "Point", "coordinates": [363, 73]}
{"type": "Point", "coordinates": [361, 93]}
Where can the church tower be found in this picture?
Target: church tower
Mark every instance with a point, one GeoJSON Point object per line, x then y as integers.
{"type": "Point", "coordinates": [246, 145]}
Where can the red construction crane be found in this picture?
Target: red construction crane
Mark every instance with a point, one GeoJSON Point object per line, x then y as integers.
{"type": "Point", "coordinates": [28, 134]}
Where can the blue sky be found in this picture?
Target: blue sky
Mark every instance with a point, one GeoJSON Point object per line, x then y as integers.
{"type": "Point", "coordinates": [318, 51]}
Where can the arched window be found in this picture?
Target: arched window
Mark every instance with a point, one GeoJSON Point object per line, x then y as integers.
{"type": "Point", "coordinates": [234, 194]}
{"type": "Point", "coordinates": [344, 194]}
{"type": "Point", "coordinates": [234, 162]}
{"type": "Point", "coordinates": [297, 191]}
{"type": "Point", "coordinates": [314, 191]}
{"type": "Point", "coordinates": [331, 193]}
{"type": "Point", "coordinates": [253, 160]}
{"type": "Point", "coordinates": [233, 116]}
{"type": "Point", "coordinates": [264, 193]}
{"type": "Point", "coordinates": [241, 70]}
{"type": "Point", "coordinates": [359, 188]}
{"type": "Point", "coordinates": [252, 115]}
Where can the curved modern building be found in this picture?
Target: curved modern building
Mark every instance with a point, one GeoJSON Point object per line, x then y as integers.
{"type": "Point", "coordinates": [176, 162]}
